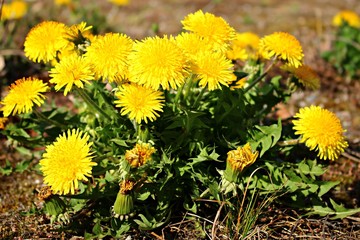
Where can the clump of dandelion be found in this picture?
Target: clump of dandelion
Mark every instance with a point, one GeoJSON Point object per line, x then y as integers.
{"type": "Point", "coordinates": [157, 62]}
{"type": "Point", "coordinates": [45, 40]}
{"type": "Point", "coordinates": [23, 95]}
{"type": "Point", "coordinates": [347, 16]}
{"type": "Point", "coordinates": [210, 27]}
{"type": "Point", "coordinates": [244, 47]}
{"type": "Point", "coordinates": [213, 70]}
{"type": "Point", "coordinates": [67, 161]}
{"type": "Point", "coordinates": [139, 102]}
{"type": "Point", "coordinates": [140, 154]}
{"type": "Point", "coordinates": [109, 55]}
{"type": "Point", "coordinates": [282, 46]}
{"type": "Point", "coordinates": [320, 130]}
{"type": "Point", "coordinates": [237, 160]}
{"type": "Point", "coordinates": [72, 70]}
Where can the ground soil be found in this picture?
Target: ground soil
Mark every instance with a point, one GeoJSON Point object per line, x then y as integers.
{"type": "Point", "coordinates": [310, 22]}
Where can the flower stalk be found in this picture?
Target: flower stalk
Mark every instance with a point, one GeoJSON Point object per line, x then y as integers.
{"type": "Point", "coordinates": [257, 80]}
{"type": "Point", "coordinates": [92, 104]}
{"type": "Point", "coordinates": [42, 117]}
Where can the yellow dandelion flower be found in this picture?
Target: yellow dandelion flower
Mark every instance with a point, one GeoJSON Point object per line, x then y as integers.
{"type": "Point", "coordinates": [72, 69]}
{"type": "Point", "coordinates": [192, 43]}
{"type": "Point", "coordinates": [78, 33]}
{"type": "Point", "coordinates": [239, 84]}
{"type": "Point", "coordinates": [283, 46]}
{"type": "Point", "coordinates": [3, 121]}
{"type": "Point", "coordinates": [140, 102]}
{"type": "Point", "coordinates": [120, 2]}
{"type": "Point", "coordinates": [157, 62]}
{"type": "Point", "coordinates": [14, 10]}
{"type": "Point", "coordinates": [140, 154]}
{"type": "Point", "coordinates": [210, 27]}
{"type": "Point", "coordinates": [349, 17]}
{"type": "Point", "coordinates": [320, 130]}
{"type": "Point", "coordinates": [109, 55]}
{"type": "Point", "coordinates": [62, 2]}
{"type": "Point", "coordinates": [245, 46]}
{"type": "Point", "coordinates": [237, 160]}
{"type": "Point", "coordinates": [306, 76]}
{"type": "Point", "coordinates": [44, 41]}
{"type": "Point", "coordinates": [67, 161]}
{"type": "Point", "coordinates": [22, 96]}
{"type": "Point", "coordinates": [213, 69]}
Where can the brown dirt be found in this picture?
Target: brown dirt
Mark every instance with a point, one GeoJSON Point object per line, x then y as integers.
{"type": "Point", "coordinates": [310, 22]}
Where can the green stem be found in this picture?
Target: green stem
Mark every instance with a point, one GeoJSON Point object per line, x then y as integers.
{"type": "Point", "coordinates": [48, 120]}
{"type": "Point", "coordinates": [196, 103]}
{"type": "Point", "coordinates": [91, 103]}
{"type": "Point", "coordinates": [252, 84]}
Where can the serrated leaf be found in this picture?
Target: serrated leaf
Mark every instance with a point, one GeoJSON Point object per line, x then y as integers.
{"type": "Point", "coordinates": [342, 212]}
{"type": "Point", "coordinates": [267, 136]}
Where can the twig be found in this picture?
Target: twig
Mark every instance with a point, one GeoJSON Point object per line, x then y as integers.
{"type": "Point", "coordinates": [213, 230]}
{"type": "Point", "coordinates": [157, 236]}
{"type": "Point", "coordinates": [351, 157]}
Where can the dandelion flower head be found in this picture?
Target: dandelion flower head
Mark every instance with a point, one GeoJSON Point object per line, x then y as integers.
{"type": "Point", "coordinates": [109, 55]}
{"type": "Point", "coordinates": [44, 41]}
{"type": "Point", "coordinates": [306, 76]}
{"type": "Point", "coordinates": [23, 95]}
{"type": "Point", "coordinates": [3, 121]}
{"type": "Point", "coordinates": [78, 33]}
{"type": "Point", "coordinates": [72, 70]}
{"type": "Point", "coordinates": [241, 157]}
{"type": "Point", "coordinates": [67, 161]}
{"type": "Point", "coordinates": [192, 43]}
{"type": "Point", "coordinates": [244, 46]}
{"type": "Point", "coordinates": [14, 10]}
{"type": "Point", "coordinates": [120, 2]}
{"type": "Point", "coordinates": [347, 16]}
{"type": "Point", "coordinates": [207, 25]}
{"type": "Point", "coordinates": [140, 102]}
{"type": "Point", "coordinates": [157, 62]}
{"type": "Point", "coordinates": [320, 130]}
{"type": "Point", "coordinates": [213, 69]}
{"type": "Point", "coordinates": [62, 2]}
{"type": "Point", "coordinates": [140, 154]}
{"type": "Point", "coordinates": [283, 46]}
{"type": "Point", "coordinates": [239, 84]}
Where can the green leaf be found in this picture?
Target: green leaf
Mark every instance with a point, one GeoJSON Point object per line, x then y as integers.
{"type": "Point", "coordinates": [119, 142]}
{"type": "Point", "coordinates": [326, 186]}
{"type": "Point", "coordinates": [342, 212]}
{"type": "Point", "coordinates": [338, 211]}
{"type": "Point", "coordinates": [266, 136]}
